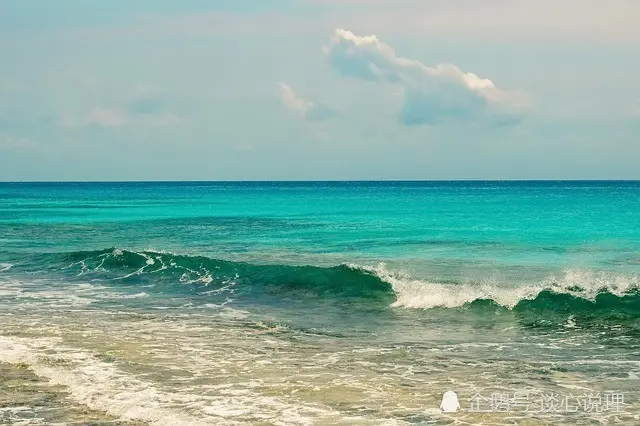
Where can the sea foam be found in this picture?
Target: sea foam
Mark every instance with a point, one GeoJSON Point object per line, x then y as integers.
{"type": "Point", "coordinates": [99, 385]}
{"type": "Point", "coordinates": [417, 293]}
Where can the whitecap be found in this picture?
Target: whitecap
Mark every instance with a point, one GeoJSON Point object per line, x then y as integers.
{"type": "Point", "coordinates": [417, 293]}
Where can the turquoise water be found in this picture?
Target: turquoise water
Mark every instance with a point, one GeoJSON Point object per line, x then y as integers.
{"type": "Point", "coordinates": [327, 302]}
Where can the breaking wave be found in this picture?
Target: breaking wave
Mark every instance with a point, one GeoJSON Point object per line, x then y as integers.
{"type": "Point", "coordinates": [575, 291]}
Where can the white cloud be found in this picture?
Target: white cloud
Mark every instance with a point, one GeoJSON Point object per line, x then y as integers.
{"type": "Point", "coordinates": [143, 105]}
{"type": "Point", "coordinates": [311, 111]}
{"type": "Point", "coordinates": [10, 143]}
{"type": "Point", "coordinates": [432, 93]}
{"type": "Point", "coordinates": [104, 117]}
{"type": "Point", "coordinates": [97, 116]}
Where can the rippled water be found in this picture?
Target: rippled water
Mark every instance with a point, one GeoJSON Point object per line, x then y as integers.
{"type": "Point", "coordinates": [325, 303]}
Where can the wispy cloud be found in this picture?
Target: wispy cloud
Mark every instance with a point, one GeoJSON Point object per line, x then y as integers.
{"type": "Point", "coordinates": [106, 117]}
{"type": "Point", "coordinates": [145, 108]}
{"type": "Point", "coordinates": [114, 118]}
{"type": "Point", "coordinates": [311, 111]}
{"type": "Point", "coordinates": [10, 143]}
{"type": "Point", "coordinates": [432, 93]}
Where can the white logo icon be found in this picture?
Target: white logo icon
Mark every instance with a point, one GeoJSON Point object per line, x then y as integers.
{"type": "Point", "coordinates": [449, 402]}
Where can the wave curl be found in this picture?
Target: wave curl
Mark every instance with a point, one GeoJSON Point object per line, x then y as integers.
{"type": "Point", "coordinates": [576, 291]}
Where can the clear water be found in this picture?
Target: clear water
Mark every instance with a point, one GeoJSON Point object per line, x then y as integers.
{"type": "Point", "coordinates": [325, 303]}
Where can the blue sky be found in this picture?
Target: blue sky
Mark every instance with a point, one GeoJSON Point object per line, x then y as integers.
{"type": "Point", "coordinates": [319, 89]}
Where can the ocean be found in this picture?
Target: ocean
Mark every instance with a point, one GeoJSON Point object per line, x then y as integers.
{"type": "Point", "coordinates": [304, 303]}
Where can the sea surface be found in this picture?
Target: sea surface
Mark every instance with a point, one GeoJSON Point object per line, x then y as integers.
{"type": "Point", "coordinates": [328, 303]}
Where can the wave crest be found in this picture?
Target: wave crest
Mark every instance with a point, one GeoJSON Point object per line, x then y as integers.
{"type": "Point", "coordinates": [204, 274]}
{"type": "Point", "coordinates": [417, 293]}
{"type": "Point", "coordinates": [586, 294]}
{"type": "Point", "coordinates": [574, 290]}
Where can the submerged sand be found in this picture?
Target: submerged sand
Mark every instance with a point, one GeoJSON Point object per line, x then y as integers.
{"type": "Point", "coordinates": [28, 399]}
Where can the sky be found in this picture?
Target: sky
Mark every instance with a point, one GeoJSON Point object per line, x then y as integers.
{"type": "Point", "coordinates": [319, 89]}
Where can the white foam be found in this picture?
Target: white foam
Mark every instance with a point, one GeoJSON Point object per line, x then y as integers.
{"type": "Point", "coordinates": [140, 295]}
{"type": "Point", "coordinates": [416, 293]}
{"type": "Point", "coordinates": [106, 387]}
{"type": "Point", "coordinates": [99, 385]}
{"type": "Point", "coordinates": [37, 292]}
{"type": "Point", "coordinates": [5, 266]}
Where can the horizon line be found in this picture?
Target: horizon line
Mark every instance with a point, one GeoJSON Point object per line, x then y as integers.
{"type": "Point", "coordinates": [313, 180]}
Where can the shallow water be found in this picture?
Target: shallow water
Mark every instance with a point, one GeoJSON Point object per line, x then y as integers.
{"type": "Point", "coordinates": [28, 399]}
{"type": "Point", "coordinates": [324, 303]}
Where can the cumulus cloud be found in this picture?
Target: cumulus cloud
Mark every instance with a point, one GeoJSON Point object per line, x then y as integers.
{"type": "Point", "coordinates": [311, 111]}
{"type": "Point", "coordinates": [432, 93]}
